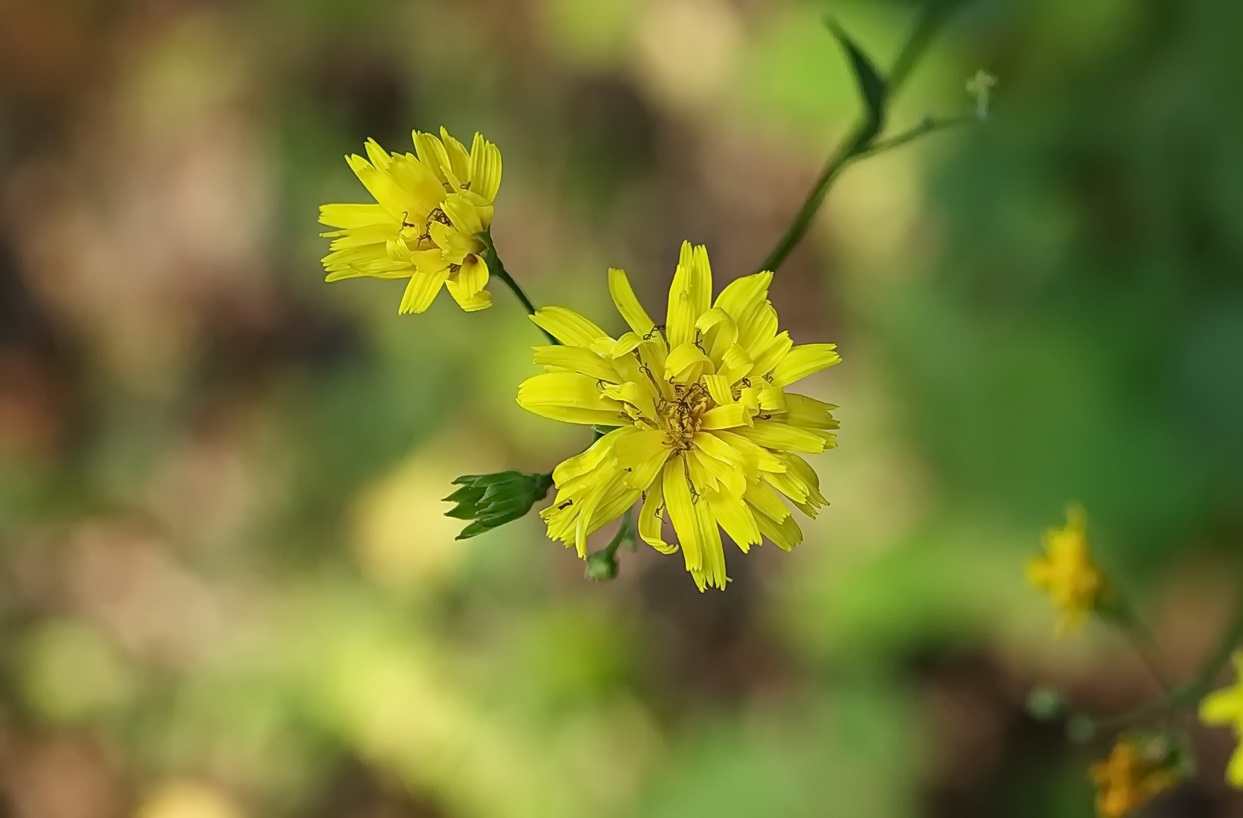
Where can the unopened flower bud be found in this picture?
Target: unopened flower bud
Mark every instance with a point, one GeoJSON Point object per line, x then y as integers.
{"type": "Point", "coordinates": [491, 500]}
{"type": "Point", "coordinates": [602, 565]}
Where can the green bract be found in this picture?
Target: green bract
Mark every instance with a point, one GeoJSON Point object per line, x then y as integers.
{"type": "Point", "coordinates": [491, 500]}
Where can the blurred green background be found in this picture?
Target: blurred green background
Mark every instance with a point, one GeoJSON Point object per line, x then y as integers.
{"type": "Point", "coordinates": [226, 587]}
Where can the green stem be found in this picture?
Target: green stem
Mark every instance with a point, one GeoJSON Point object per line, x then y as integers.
{"type": "Point", "coordinates": [625, 533]}
{"type": "Point", "coordinates": [602, 564]}
{"type": "Point", "coordinates": [1220, 658]}
{"type": "Point", "coordinates": [926, 126]}
{"type": "Point", "coordinates": [1142, 640]}
{"type": "Point", "coordinates": [861, 140]}
{"type": "Point", "coordinates": [497, 268]}
{"type": "Point", "coordinates": [1188, 695]}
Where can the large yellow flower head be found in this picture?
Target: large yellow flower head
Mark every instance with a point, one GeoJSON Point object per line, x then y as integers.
{"type": "Point", "coordinates": [705, 432]}
{"type": "Point", "coordinates": [1226, 707]}
{"type": "Point", "coordinates": [429, 208]}
{"type": "Point", "coordinates": [1075, 584]}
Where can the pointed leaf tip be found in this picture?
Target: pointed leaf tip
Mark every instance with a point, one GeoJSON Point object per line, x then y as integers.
{"type": "Point", "coordinates": [872, 87]}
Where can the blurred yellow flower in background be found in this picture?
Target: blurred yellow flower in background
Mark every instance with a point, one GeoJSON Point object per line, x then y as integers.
{"type": "Point", "coordinates": [1074, 583]}
{"type": "Point", "coordinates": [705, 432]}
{"type": "Point", "coordinates": [424, 222]}
{"type": "Point", "coordinates": [1135, 772]}
{"type": "Point", "coordinates": [1226, 707]}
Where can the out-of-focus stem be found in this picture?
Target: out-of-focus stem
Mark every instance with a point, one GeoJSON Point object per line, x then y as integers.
{"type": "Point", "coordinates": [496, 267]}
{"type": "Point", "coordinates": [861, 139]}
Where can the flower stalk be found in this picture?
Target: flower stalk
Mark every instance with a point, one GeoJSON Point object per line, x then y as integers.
{"type": "Point", "coordinates": [497, 268]}
{"type": "Point", "coordinates": [861, 140]}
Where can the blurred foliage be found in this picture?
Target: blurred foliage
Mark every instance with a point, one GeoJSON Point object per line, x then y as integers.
{"type": "Point", "coordinates": [227, 585]}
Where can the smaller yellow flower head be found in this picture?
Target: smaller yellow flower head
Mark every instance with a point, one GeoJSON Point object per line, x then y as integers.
{"type": "Point", "coordinates": [429, 207]}
{"type": "Point", "coordinates": [1135, 772]}
{"type": "Point", "coordinates": [1074, 583]}
{"type": "Point", "coordinates": [1226, 707]}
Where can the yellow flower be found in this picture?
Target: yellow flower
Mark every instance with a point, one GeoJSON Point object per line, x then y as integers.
{"type": "Point", "coordinates": [1067, 573]}
{"type": "Point", "coordinates": [705, 432]}
{"type": "Point", "coordinates": [1135, 772]}
{"type": "Point", "coordinates": [423, 224]}
{"type": "Point", "coordinates": [1226, 707]}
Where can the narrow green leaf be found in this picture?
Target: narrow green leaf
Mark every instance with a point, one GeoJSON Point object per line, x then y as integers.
{"type": "Point", "coordinates": [871, 84]}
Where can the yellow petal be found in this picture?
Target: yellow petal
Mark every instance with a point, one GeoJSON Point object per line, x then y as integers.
{"type": "Point", "coordinates": [744, 295]}
{"type": "Point", "coordinates": [639, 396]}
{"type": "Point", "coordinates": [686, 362]}
{"type": "Point", "coordinates": [643, 454]}
{"type": "Point", "coordinates": [1223, 707]}
{"type": "Point", "coordinates": [689, 295]}
{"type": "Point", "coordinates": [737, 363]}
{"type": "Point", "coordinates": [717, 332]}
{"type": "Point", "coordinates": [719, 388]}
{"type": "Point", "coordinates": [589, 460]}
{"type": "Point", "coordinates": [612, 503]}
{"type": "Point", "coordinates": [567, 326]}
{"type": "Point", "coordinates": [678, 503]}
{"type": "Point", "coordinates": [432, 154]}
{"type": "Point", "coordinates": [762, 459]}
{"type": "Point", "coordinates": [472, 302]}
{"type": "Point", "coordinates": [776, 434]}
{"type": "Point", "coordinates": [765, 502]}
{"type": "Point", "coordinates": [1234, 771]}
{"type": "Point", "coordinates": [736, 518]}
{"type": "Point", "coordinates": [809, 412]}
{"type": "Point", "coordinates": [757, 331]}
{"type": "Point", "coordinates": [380, 185]}
{"type": "Point", "coordinates": [421, 291]}
{"type": "Point", "coordinates": [473, 275]}
{"type": "Point", "coordinates": [465, 216]}
{"type": "Point", "coordinates": [628, 304]}
{"type": "Point", "coordinates": [485, 168]}
{"type": "Point", "coordinates": [567, 396]}
{"type": "Point", "coordinates": [652, 517]}
{"type": "Point", "coordinates": [772, 354]}
{"type": "Point", "coordinates": [785, 534]}
{"type": "Point", "coordinates": [378, 156]}
{"type": "Point", "coordinates": [353, 216]}
{"type": "Point", "coordinates": [804, 360]}
{"type": "Point", "coordinates": [729, 476]}
{"type": "Point", "coordinates": [459, 159]}
{"type": "Point", "coordinates": [419, 187]}
{"type": "Point", "coordinates": [709, 535]}
{"type": "Point", "coordinates": [730, 416]}
{"type": "Point", "coordinates": [1038, 573]}
{"type": "Point", "coordinates": [574, 359]}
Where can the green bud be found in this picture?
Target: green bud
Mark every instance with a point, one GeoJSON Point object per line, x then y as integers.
{"type": "Point", "coordinates": [1172, 751]}
{"type": "Point", "coordinates": [1045, 704]}
{"type": "Point", "coordinates": [491, 500]}
{"type": "Point", "coordinates": [1080, 729]}
{"type": "Point", "coordinates": [602, 565]}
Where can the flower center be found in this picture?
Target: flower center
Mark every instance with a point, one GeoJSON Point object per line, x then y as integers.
{"type": "Point", "coordinates": [682, 416]}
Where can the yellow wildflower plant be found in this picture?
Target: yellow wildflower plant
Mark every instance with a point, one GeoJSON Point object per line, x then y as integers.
{"type": "Point", "coordinates": [1226, 707]}
{"type": "Point", "coordinates": [429, 209]}
{"type": "Point", "coordinates": [704, 431]}
{"type": "Point", "coordinates": [1067, 573]}
{"type": "Point", "coordinates": [1135, 772]}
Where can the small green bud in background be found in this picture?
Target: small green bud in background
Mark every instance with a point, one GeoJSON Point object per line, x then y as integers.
{"type": "Point", "coordinates": [1045, 704]}
{"type": "Point", "coordinates": [1080, 729]}
{"type": "Point", "coordinates": [491, 500]}
{"type": "Point", "coordinates": [1180, 759]}
{"type": "Point", "coordinates": [980, 87]}
{"type": "Point", "coordinates": [602, 565]}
